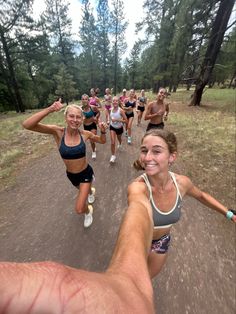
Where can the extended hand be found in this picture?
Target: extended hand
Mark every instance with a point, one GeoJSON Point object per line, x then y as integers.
{"type": "Point", "coordinates": [56, 106]}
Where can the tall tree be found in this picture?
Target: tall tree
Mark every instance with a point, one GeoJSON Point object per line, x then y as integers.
{"type": "Point", "coordinates": [65, 85]}
{"type": "Point", "coordinates": [133, 66]}
{"type": "Point", "coordinates": [88, 39]}
{"type": "Point", "coordinates": [58, 25]}
{"type": "Point", "coordinates": [118, 28]}
{"type": "Point", "coordinates": [14, 15]}
{"type": "Point", "coordinates": [225, 67]}
{"type": "Point", "coordinates": [213, 48]}
{"type": "Point", "coordinates": [103, 42]}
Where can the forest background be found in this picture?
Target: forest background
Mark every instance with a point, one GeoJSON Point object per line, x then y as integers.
{"type": "Point", "coordinates": [186, 41]}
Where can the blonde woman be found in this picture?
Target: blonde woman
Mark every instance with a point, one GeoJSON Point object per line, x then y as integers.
{"type": "Point", "coordinates": [70, 141]}
{"type": "Point", "coordinates": [117, 118]}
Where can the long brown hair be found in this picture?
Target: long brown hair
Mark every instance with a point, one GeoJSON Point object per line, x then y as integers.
{"type": "Point", "coordinates": [169, 138]}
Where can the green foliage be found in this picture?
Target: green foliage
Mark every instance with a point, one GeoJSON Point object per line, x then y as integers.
{"type": "Point", "coordinates": [65, 85]}
{"type": "Point", "coordinates": [33, 52]}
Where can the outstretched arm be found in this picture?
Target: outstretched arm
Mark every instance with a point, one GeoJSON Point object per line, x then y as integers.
{"type": "Point", "coordinates": [53, 288]}
{"type": "Point", "coordinates": [204, 197]}
{"type": "Point", "coordinates": [135, 232]}
{"type": "Point", "coordinates": [33, 122]}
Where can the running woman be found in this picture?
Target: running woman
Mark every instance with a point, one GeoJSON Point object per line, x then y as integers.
{"type": "Point", "coordinates": [94, 100]}
{"type": "Point", "coordinates": [107, 104]}
{"type": "Point", "coordinates": [91, 119]}
{"type": "Point", "coordinates": [157, 111]}
{"type": "Point", "coordinates": [70, 141]}
{"type": "Point", "coordinates": [142, 101]}
{"type": "Point", "coordinates": [129, 106]}
{"type": "Point", "coordinates": [123, 97]}
{"type": "Point", "coordinates": [117, 119]}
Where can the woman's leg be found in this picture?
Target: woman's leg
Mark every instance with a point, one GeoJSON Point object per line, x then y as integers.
{"type": "Point", "coordinates": [119, 137]}
{"type": "Point", "coordinates": [113, 142]}
{"type": "Point", "coordinates": [155, 263]}
{"type": "Point", "coordinates": [130, 122]}
{"type": "Point", "coordinates": [94, 131]}
{"type": "Point", "coordinates": [81, 206]}
{"type": "Point", "coordinates": [140, 116]}
{"type": "Point", "coordinates": [107, 114]}
{"type": "Point", "coordinates": [139, 113]}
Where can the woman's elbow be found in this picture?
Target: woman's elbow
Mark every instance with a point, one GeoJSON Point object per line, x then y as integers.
{"type": "Point", "coordinates": [25, 125]}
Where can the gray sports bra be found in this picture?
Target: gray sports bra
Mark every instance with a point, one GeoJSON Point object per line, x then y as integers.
{"type": "Point", "coordinates": [164, 219]}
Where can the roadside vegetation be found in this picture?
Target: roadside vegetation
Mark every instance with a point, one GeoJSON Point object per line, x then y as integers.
{"type": "Point", "coordinates": [206, 137]}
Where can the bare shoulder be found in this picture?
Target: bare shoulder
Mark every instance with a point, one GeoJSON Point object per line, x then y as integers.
{"type": "Point", "coordinates": [150, 104]}
{"type": "Point", "coordinates": [137, 186]}
{"type": "Point", "coordinates": [184, 183]}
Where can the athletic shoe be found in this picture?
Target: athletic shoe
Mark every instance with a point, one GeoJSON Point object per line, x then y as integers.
{"type": "Point", "coordinates": [94, 155]}
{"type": "Point", "coordinates": [113, 158]}
{"type": "Point", "coordinates": [129, 140]}
{"type": "Point", "coordinates": [91, 197]}
{"type": "Point", "coordinates": [120, 147]}
{"type": "Point", "coordinates": [88, 218]}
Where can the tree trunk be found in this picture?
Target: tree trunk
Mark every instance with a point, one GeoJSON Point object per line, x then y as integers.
{"type": "Point", "coordinates": [5, 76]}
{"type": "Point", "coordinates": [233, 80]}
{"type": "Point", "coordinates": [19, 103]}
{"type": "Point", "coordinates": [216, 39]}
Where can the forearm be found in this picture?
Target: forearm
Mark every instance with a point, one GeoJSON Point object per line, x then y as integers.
{"type": "Point", "coordinates": [134, 239]}
{"type": "Point", "coordinates": [102, 138]}
{"type": "Point", "coordinates": [34, 120]}
{"type": "Point", "coordinates": [99, 139]}
{"type": "Point", "coordinates": [211, 202]}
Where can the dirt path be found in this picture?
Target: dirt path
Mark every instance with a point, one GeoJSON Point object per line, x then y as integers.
{"type": "Point", "coordinates": [38, 222]}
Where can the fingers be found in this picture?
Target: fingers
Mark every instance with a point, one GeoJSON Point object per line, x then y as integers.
{"type": "Point", "coordinates": [57, 106]}
{"type": "Point", "coordinates": [103, 126]}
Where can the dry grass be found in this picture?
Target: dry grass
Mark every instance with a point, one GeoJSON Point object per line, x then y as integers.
{"type": "Point", "coordinates": [19, 146]}
{"type": "Point", "coordinates": [206, 137]}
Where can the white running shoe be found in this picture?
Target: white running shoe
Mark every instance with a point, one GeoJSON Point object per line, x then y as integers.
{"type": "Point", "coordinates": [94, 155]}
{"type": "Point", "coordinates": [91, 197]}
{"type": "Point", "coordinates": [113, 158]}
{"type": "Point", "coordinates": [88, 218]}
{"type": "Point", "coordinates": [119, 146]}
{"type": "Point", "coordinates": [129, 141]}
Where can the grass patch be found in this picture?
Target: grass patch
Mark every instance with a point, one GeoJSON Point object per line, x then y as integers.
{"type": "Point", "coordinates": [18, 146]}
{"type": "Point", "coordinates": [207, 148]}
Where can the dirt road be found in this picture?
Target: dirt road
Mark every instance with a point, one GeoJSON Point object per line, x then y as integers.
{"type": "Point", "coordinates": [38, 222]}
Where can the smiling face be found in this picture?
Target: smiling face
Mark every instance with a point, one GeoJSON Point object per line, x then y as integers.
{"type": "Point", "coordinates": [115, 101]}
{"type": "Point", "coordinates": [84, 100]}
{"type": "Point", "coordinates": [155, 155]}
{"type": "Point", "coordinates": [74, 117]}
{"type": "Point", "coordinates": [161, 94]}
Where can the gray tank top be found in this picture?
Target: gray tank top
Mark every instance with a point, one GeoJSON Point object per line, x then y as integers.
{"type": "Point", "coordinates": [164, 219]}
{"type": "Point", "coordinates": [116, 115]}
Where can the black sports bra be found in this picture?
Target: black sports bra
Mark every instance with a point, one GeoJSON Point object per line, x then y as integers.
{"type": "Point", "coordinates": [72, 152]}
{"type": "Point", "coordinates": [129, 104]}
